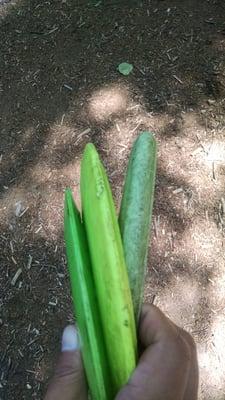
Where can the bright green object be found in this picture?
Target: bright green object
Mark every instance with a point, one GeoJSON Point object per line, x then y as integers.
{"type": "Point", "coordinates": [136, 213]}
{"type": "Point", "coordinates": [85, 302]}
{"type": "Point", "coordinates": [125, 68]}
{"type": "Point", "coordinates": [109, 269]}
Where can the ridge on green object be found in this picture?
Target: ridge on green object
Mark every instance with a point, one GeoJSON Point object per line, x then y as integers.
{"type": "Point", "coordinates": [109, 268]}
{"type": "Point", "coordinates": [136, 213]}
{"type": "Point", "coordinates": [85, 303]}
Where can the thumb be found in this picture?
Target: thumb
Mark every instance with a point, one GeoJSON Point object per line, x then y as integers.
{"type": "Point", "coordinates": [68, 382]}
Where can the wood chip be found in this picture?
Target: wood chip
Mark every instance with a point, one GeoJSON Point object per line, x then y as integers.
{"type": "Point", "coordinates": [38, 230]}
{"type": "Point", "coordinates": [11, 246]}
{"type": "Point", "coordinates": [23, 212]}
{"type": "Point", "coordinates": [213, 171]}
{"type": "Point", "coordinates": [118, 128]}
{"type": "Point", "coordinates": [178, 79]}
{"type": "Point", "coordinates": [16, 276]}
{"type": "Point", "coordinates": [85, 132]}
{"type": "Point", "coordinates": [67, 87]}
{"type": "Point", "coordinates": [178, 190]}
{"type": "Point", "coordinates": [14, 260]}
{"type": "Point", "coordinates": [30, 258]}
{"type": "Point", "coordinates": [223, 205]}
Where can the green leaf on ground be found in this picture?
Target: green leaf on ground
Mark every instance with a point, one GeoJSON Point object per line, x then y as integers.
{"type": "Point", "coordinates": [125, 68]}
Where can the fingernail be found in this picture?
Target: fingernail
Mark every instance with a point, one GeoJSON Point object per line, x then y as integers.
{"type": "Point", "coordinates": [70, 339]}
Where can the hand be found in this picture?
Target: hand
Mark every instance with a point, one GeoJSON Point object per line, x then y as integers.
{"type": "Point", "coordinates": [68, 382]}
{"type": "Point", "coordinates": [167, 368]}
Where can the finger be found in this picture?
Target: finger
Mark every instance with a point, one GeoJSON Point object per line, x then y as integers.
{"type": "Point", "coordinates": [68, 382]}
{"type": "Point", "coordinates": [163, 369]}
{"type": "Point", "coordinates": [154, 326]}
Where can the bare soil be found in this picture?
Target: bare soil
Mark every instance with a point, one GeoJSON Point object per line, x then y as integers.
{"type": "Point", "coordinates": [59, 89]}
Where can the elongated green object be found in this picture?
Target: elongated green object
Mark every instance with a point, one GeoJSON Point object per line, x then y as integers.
{"type": "Point", "coordinates": [86, 307]}
{"type": "Point", "coordinates": [109, 268]}
{"type": "Point", "coordinates": [136, 213]}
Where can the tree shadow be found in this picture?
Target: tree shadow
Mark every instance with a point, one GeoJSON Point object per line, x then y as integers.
{"type": "Point", "coordinates": [52, 59]}
{"type": "Point", "coordinates": [51, 55]}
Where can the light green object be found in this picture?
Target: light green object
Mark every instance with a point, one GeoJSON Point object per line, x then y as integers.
{"type": "Point", "coordinates": [136, 213]}
{"type": "Point", "coordinates": [125, 68]}
{"type": "Point", "coordinates": [85, 303]}
{"type": "Point", "coordinates": [109, 269]}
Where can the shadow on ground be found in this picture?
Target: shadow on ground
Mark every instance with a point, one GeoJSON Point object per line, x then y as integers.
{"type": "Point", "coordinates": [53, 58]}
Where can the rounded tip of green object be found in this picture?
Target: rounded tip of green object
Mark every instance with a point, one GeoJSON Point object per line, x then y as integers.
{"type": "Point", "coordinates": [89, 147]}
{"type": "Point", "coordinates": [147, 133]}
{"type": "Point", "coordinates": [146, 137]}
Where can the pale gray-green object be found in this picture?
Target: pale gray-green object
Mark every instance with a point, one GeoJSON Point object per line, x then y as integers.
{"type": "Point", "coordinates": [136, 213]}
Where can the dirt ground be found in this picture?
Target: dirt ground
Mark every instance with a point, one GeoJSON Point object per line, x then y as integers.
{"type": "Point", "coordinates": [59, 89]}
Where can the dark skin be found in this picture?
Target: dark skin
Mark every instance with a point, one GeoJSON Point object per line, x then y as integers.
{"type": "Point", "coordinates": [167, 368]}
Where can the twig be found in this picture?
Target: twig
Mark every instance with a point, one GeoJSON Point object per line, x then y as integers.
{"type": "Point", "coordinates": [213, 171]}
{"type": "Point", "coordinates": [16, 276]}
{"type": "Point", "coordinates": [178, 79]}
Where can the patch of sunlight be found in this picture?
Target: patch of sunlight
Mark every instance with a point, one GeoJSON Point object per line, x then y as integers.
{"type": "Point", "coordinates": [191, 124]}
{"type": "Point", "coordinates": [14, 202]}
{"type": "Point", "coordinates": [211, 154]}
{"type": "Point", "coordinates": [218, 288]}
{"type": "Point", "coordinates": [180, 299]}
{"type": "Point", "coordinates": [107, 101]}
{"type": "Point", "coordinates": [6, 8]}
{"type": "Point", "coordinates": [211, 355]}
{"type": "Point", "coordinates": [45, 181]}
{"type": "Point", "coordinates": [202, 241]}
{"type": "Point", "coordinates": [50, 215]}
{"type": "Point", "coordinates": [68, 174]}
{"type": "Point", "coordinates": [207, 189]}
{"type": "Point", "coordinates": [60, 135]}
{"type": "Point", "coordinates": [215, 152]}
{"type": "Point", "coordinates": [175, 156]}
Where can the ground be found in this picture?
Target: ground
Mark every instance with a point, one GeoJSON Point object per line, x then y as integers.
{"type": "Point", "coordinates": [59, 89]}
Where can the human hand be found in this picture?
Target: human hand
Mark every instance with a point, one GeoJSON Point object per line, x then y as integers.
{"type": "Point", "coordinates": [68, 382]}
{"type": "Point", "coordinates": [167, 368]}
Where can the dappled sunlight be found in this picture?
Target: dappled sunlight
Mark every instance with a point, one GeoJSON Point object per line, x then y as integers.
{"type": "Point", "coordinates": [108, 101]}
{"type": "Point", "coordinates": [46, 182]}
{"type": "Point", "coordinates": [50, 216]}
{"type": "Point", "coordinates": [211, 155]}
{"type": "Point", "coordinates": [43, 196]}
{"type": "Point", "coordinates": [175, 156]}
{"type": "Point", "coordinates": [180, 299]}
{"type": "Point", "coordinates": [43, 175]}
{"type": "Point", "coordinates": [7, 7]}
{"type": "Point", "coordinates": [63, 135]}
{"type": "Point", "coordinates": [211, 355]}
{"type": "Point", "coordinates": [45, 205]}
{"type": "Point", "coordinates": [13, 203]}
{"type": "Point", "coordinates": [207, 189]}
{"type": "Point", "coordinates": [202, 241]}
{"type": "Point", "coordinates": [183, 161]}
{"type": "Point", "coordinates": [215, 152]}
{"type": "Point", "coordinates": [218, 284]}
{"type": "Point", "coordinates": [61, 89]}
